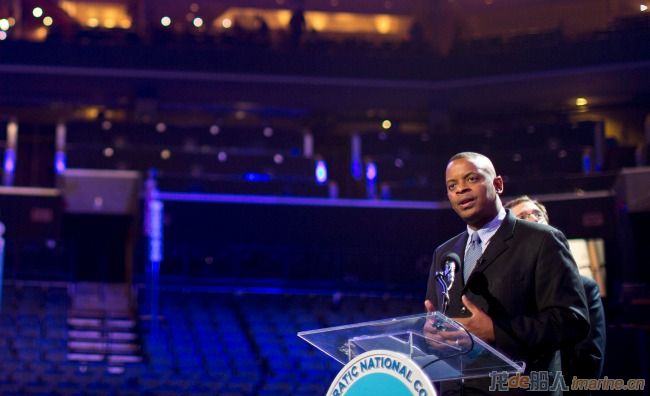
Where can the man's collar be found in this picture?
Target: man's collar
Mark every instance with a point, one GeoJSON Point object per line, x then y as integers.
{"type": "Point", "coordinates": [487, 231]}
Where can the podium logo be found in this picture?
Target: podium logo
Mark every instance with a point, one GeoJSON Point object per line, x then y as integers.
{"type": "Point", "coordinates": [381, 373]}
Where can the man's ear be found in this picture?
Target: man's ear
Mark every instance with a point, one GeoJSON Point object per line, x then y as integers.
{"type": "Point", "coordinates": [498, 184]}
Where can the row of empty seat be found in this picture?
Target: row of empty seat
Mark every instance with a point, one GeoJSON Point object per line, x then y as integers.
{"type": "Point", "coordinates": [233, 342]}
{"type": "Point", "coordinates": [203, 343]}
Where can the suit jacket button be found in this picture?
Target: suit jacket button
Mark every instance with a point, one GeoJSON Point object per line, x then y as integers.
{"type": "Point", "coordinates": [463, 310]}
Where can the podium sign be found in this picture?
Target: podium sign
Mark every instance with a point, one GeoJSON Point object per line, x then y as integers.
{"type": "Point", "coordinates": [381, 373]}
{"type": "Point", "coordinates": [442, 348]}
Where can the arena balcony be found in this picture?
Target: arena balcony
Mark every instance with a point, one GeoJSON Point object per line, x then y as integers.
{"type": "Point", "coordinates": [264, 41]}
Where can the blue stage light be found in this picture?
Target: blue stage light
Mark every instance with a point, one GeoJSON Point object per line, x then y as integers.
{"type": "Point", "coordinates": [60, 162]}
{"type": "Point", "coordinates": [10, 161]}
{"type": "Point", "coordinates": [257, 177]}
{"type": "Point", "coordinates": [371, 171]}
{"type": "Point", "coordinates": [321, 172]}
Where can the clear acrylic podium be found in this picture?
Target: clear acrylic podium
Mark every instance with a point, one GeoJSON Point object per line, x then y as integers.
{"type": "Point", "coordinates": [440, 346]}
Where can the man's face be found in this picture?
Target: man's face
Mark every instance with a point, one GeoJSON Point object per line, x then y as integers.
{"type": "Point", "coordinates": [473, 191]}
{"type": "Point", "coordinates": [527, 210]}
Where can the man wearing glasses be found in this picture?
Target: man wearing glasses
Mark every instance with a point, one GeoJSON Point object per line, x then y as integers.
{"type": "Point", "coordinates": [586, 359]}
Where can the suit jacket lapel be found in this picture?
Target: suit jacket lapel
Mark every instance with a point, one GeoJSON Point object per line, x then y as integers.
{"type": "Point", "coordinates": [498, 244]}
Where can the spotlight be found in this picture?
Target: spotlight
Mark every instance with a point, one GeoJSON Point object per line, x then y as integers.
{"type": "Point", "coordinates": [581, 102]}
{"type": "Point", "coordinates": [371, 171]}
{"type": "Point", "coordinates": [321, 172]}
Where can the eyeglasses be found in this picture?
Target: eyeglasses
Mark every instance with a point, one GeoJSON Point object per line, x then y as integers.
{"type": "Point", "coordinates": [533, 215]}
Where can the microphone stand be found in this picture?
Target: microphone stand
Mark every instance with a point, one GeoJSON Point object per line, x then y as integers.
{"type": "Point", "coordinates": [440, 277]}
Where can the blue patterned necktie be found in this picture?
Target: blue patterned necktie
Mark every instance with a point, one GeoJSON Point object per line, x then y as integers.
{"type": "Point", "coordinates": [472, 254]}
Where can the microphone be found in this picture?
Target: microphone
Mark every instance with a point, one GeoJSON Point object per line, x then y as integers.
{"type": "Point", "coordinates": [450, 266]}
{"type": "Point", "coordinates": [445, 278]}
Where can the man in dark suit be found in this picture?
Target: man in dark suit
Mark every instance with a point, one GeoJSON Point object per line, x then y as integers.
{"type": "Point", "coordinates": [586, 359]}
{"type": "Point", "coordinates": [523, 294]}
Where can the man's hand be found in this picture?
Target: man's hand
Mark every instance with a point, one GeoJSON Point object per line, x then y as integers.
{"type": "Point", "coordinates": [479, 324]}
{"type": "Point", "coordinates": [443, 338]}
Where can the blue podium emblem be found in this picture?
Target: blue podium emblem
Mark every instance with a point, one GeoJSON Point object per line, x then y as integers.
{"type": "Point", "coordinates": [381, 373]}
